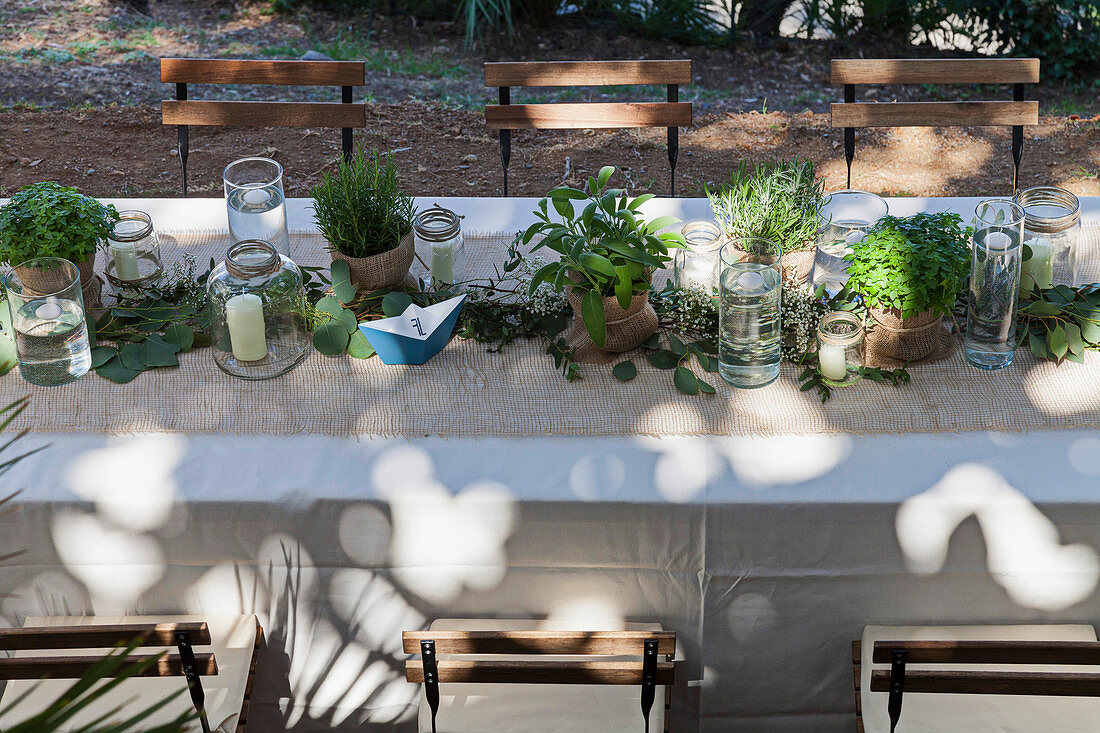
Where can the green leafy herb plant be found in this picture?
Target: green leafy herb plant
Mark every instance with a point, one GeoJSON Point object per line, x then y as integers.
{"type": "Point", "coordinates": [1061, 323]}
{"type": "Point", "coordinates": [608, 249]}
{"type": "Point", "coordinates": [50, 220]}
{"type": "Point", "coordinates": [912, 264]}
{"type": "Point", "coordinates": [360, 209]}
{"type": "Point", "coordinates": [776, 201]}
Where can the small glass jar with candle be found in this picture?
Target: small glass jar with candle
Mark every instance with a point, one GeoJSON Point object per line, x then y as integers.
{"type": "Point", "coordinates": [257, 306]}
{"type": "Point", "coordinates": [843, 221]}
{"type": "Point", "coordinates": [840, 348]}
{"type": "Point", "coordinates": [696, 265]}
{"type": "Point", "coordinates": [440, 230]}
{"type": "Point", "coordinates": [1052, 224]}
{"type": "Point", "coordinates": [133, 253]}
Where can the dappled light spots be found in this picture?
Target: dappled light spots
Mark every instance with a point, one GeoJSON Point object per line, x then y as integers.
{"type": "Point", "coordinates": [591, 613]}
{"type": "Point", "coordinates": [685, 464]}
{"type": "Point", "coordinates": [1084, 456]}
{"type": "Point", "coordinates": [751, 615]}
{"type": "Point", "coordinates": [780, 460]}
{"type": "Point", "coordinates": [597, 476]}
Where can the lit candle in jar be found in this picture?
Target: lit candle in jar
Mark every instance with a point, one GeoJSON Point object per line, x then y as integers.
{"type": "Point", "coordinates": [833, 363]}
{"type": "Point", "coordinates": [124, 257]}
{"type": "Point", "coordinates": [244, 316]}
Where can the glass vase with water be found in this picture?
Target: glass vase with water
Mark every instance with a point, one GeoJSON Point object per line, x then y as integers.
{"type": "Point", "coordinates": [750, 285]}
{"type": "Point", "coordinates": [47, 316]}
{"type": "Point", "coordinates": [255, 202]}
{"type": "Point", "coordinates": [843, 221]}
{"type": "Point", "coordinates": [990, 341]}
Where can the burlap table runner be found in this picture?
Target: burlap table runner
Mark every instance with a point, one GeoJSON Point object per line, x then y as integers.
{"type": "Point", "coordinates": [467, 391]}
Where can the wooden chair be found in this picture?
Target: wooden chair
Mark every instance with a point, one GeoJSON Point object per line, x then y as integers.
{"type": "Point", "coordinates": [183, 112]}
{"type": "Point", "coordinates": [586, 669]}
{"type": "Point", "coordinates": [506, 116]}
{"type": "Point", "coordinates": [901, 679]}
{"type": "Point", "coordinates": [79, 646]}
{"type": "Point", "coordinates": [853, 72]}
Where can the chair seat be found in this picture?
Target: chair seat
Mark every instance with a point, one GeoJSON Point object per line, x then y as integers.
{"type": "Point", "coordinates": [520, 708]}
{"type": "Point", "coordinates": [233, 640]}
{"type": "Point", "coordinates": [943, 713]}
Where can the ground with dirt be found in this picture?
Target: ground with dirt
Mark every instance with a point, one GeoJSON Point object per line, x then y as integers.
{"type": "Point", "coordinates": [79, 80]}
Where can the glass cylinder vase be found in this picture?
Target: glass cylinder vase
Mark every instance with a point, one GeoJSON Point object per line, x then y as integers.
{"type": "Point", "coordinates": [1052, 224]}
{"type": "Point", "coordinates": [749, 283]}
{"type": "Point", "coordinates": [990, 341]}
{"type": "Point", "coordinates": [47, 315]}
{"type": "Point", "coordinates": [133, 252]}
{"type": "Point", "coordinates": [696, 265]}
{"type": "Point", "coordinates": [440, 230]}
{"type": "Point", "coordinates": [842, 222]}
{"type": "Point", "coordinates": [255, 202]}
{"type": "Point", "coordinates": [257, 302]}
{"type": "Point", "coordinates": [840, 348]}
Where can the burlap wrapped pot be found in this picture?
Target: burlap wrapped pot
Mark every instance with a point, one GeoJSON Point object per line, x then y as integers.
{"type": "Point", "coordinates": [91, 288]}
{"type": "Point", "coordinates": [891, 340]}
{"type": "Point", "coordinates": [47, 282]}
{"type": "Point", "coordinates": [386, 270]}
{"type": "Point", "coordinates": [626, 328]}
{"type": "Point", "coordinates": [796, 265]}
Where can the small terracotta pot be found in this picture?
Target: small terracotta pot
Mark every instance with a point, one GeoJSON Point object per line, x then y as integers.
{"type": "Point", "coordinates": [386, 270]}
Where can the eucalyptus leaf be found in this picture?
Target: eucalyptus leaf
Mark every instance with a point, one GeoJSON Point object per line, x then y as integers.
{"type": "Point", "coordinates": [156, 352]}
{"type": "Point", "coordinates": [676, 345]}
{"type": "Point", "coordinates": [663, 359]}
{"type": "Point", "coordinates": [395, 303]}
{"type": "Point", "coordinates": [1056, 340]}
{"type": "Point", "coordinates": [102, 354]}
{"type": "Point", "coordinates": [705, 387]}
{"type": "Point", "coordinates": [331, 339]}
{"type": "Point", "coordinates": [181, 336]}
{"type": "Point", "coordinates": [342, 287]}
{"type": "Point", "coordinates": [131, 356]}
{"type": "Point", "coordinates": [359, 347]}
{"type": "Point", "coordinates": [685, 380]}
{"type": "Point", "coordinates": [115, 370]}
{"type": "Point", "coordinates": [1074, 342]}
{"type": "Point", "coordinates": [624, 371]}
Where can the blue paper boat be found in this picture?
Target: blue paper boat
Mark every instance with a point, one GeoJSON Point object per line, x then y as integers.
{"type": "Point", "coordinates": [416, 335]}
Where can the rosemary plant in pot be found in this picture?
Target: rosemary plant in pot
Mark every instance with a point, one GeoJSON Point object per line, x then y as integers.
{"type": "Point", "coordinates": [909, 271]}
{"type": "Point", "coordinates": [366, 220]}
{"type": "Point", "coordinates": [609, 252]}
{"type": "Point", "coordinates": [50, 220]}
{"type": "Point", "coordinates": [774, 201]}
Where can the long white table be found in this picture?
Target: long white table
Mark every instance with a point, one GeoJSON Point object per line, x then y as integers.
{"type": "Point", "coordinates": [767, 556]}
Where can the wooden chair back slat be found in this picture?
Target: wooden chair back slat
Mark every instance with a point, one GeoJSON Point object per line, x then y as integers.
{"type": "Point", "coordinates": [540, 673]}
{"type": "Point", "coordinates": [264, 114]}
{"type": "Point", "coordinates": [242, 71]}
{"type": "Point", "coordinates": [101, 636]}
{"type": "Point", "coordinates": [604, 643]}
{"type": "Point", "coordinates": [935, 114]}
{"type": "Point", "coordinates": [71, 667]}
{"type": "Point", "coordinates": [990, 652]}
{"type": "Point", "coordinates": [601, 115]}
{"type": "Point", "coordinates": [994, 683]}
{"type": "Point", "coordinates": [586, 73]}
{"type": "Point", "coordinates": [935, 71]}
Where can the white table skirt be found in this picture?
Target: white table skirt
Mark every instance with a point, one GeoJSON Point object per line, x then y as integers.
{"type": "Point", "coordinates": [766, 556]}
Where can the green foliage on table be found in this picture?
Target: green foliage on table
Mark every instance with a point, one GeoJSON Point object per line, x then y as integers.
{"type": "Point", "coordinates": [49, 220]}
{"type": "Point", "coordinates": [776, 201]}
{"type": "Point", "coordinates": [811, 377]}
{"type": "Point", "coordinates": [1061, 323]}
{"type": "Point", "coordinates": [609, 249]}
{"type": "Point", "coordinates": [360, 209]}
{"type": "Point", "coordinates": [675, 356]}
{"type": "Point", "coordinates": [914, 264]}
{"type": "Point", "coordinates": [9, 357]}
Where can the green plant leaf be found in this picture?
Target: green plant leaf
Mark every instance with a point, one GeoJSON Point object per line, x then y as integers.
{"type": "Point", "coordinates": [359, 347]}
{"type": "Point", "coordinates": [1074, 342]}
{"type": "Point", "coordinates": [394, 303]}
{"type": "Point", "coordinates": [1090, 330]}
{"type": "Point", "coordinates": [676, 345]}
{"type": "Point", "coordinates": [660, 223]}
{"type": "Point", "coordinates": [180, 335]}
{"type": "Point", "coordinates": [597, 262]}
{"type": "Point", "coordinates": [705, 387]}
{"type": "Point", "coordinates": [604, 176]}
{"type": "Point", "coordinates": [595, 322]}
{"type": "Point", "coordinates": [131, 356]}
{"type": "Point", "coordinates": [624, 291]}
{"type": "Point", "coordinates": [102, 354]}
{"type": "Point", "coordinates": [156, 352]}
{"type": "Point", "coordinates": [1056, 340]}
{"type": "Point", "coordinates": [116, 371]}
{"type": "Point", "coordinates": [331, 339]}
{"type": "Point", "coordinates": [663, 359]}
{"type": "Point", "coordinates": [685, 380]}
{"type": "Point", "coordinates": [342, 287]}
{"type": "Point", "coordinates": [624, 371]}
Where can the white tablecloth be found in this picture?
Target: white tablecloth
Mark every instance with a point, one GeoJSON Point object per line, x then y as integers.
{"type": "Point", "coordinates": [767, 556]}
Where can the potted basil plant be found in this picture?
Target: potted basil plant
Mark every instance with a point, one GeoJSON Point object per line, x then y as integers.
{"type": "Point", "coordinates": [909, 271]}
{"type": "Point", "coordinates": [49, 220]}
{"type": "Point", "coordinates": [609, 252]}
{"type": "Point", "coordinates": [366, 220]}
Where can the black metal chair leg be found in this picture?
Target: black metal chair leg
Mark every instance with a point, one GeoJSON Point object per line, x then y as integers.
{"type": "Point", "coordinates": [897, 688]}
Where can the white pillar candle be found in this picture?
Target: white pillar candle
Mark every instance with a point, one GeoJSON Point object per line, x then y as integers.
{"type": "Point", "coordinates": [831, 359]}
{"type": "Point", "coordinates": [1039, 270]}
{"type": "Point", "coordinates": [244, 315]}
{"type": "Point", "coordinates": [443, 261]}
{"type": "Point", "coordinates": [124, 256]}
{"type": "Point", "coordinates": [997, 241]}
{"type": "Point", "coordinates": [256, 196]}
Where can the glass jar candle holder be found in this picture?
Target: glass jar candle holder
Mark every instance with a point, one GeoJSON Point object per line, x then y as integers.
{"type": "Point", "coordinates": [750, 282]}
{"type": "Point", "coordinates": [133, 253]}
{"type": "Point", "coordinates": [255, 202]}
{"type": "Point", "coordinates": [995, 269]}
{"type": "Point", "coordinates": [47, 316]}
{"type": "Point", "coordinates": [842, 222]}
{"type": "Point", "coordinates": [840, 348]}
{"type": "Point", "coordinates": [696, 265]}
{"type": "Point", "coordinates": [440, 230]}
{"type": "Point", "coordinates": [1052, 225]}
{"type": "Point", "coordinates": [257, 312]}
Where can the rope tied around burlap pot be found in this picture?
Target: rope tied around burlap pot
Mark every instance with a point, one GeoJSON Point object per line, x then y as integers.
{"type": "Point", "coordinates": [384, 270]}
{"type": "Point", "coordinates": [627, 328]}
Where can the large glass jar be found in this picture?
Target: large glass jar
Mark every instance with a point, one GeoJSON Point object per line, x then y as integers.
{"type": "Point", "coordinates": [257, 312]}
{"type": "Point", "coordinates": [843, 221]}
{"type": "Point", "coordinates": [696, 265]}
{"type": "Point", "coordinates": [1052, 223]}
{"type": "Point", "coordinates": [440, 229]}
{"type": "Point", "coordinates": [133, 252]}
